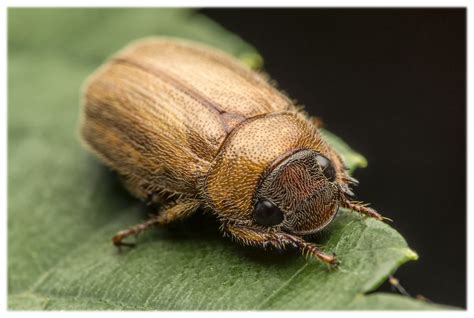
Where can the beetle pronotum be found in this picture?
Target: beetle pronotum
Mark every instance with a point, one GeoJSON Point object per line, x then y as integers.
{"type": "Point", "coordinates": [191, 127]}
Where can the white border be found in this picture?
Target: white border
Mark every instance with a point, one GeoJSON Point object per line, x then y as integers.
{"type": "Point", "coordinates": [240, 3]}
{"type": "Point", "coordinates": [178, 3]}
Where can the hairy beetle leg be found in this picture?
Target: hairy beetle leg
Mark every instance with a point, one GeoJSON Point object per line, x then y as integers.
{"type": "Point", "coordinates": [313, 250]}
{"type": "Point", "coordinates": [257, 237]}
{"type": "Point", "coordinates": [135, 230]}
{"type": "Point", "coordinates": [363, 209]}
{"type": "Point", "coordinates": [178, 211]}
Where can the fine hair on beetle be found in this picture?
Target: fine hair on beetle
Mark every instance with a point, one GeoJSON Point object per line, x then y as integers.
{"type": "Point", "coordinates": [188, 126]}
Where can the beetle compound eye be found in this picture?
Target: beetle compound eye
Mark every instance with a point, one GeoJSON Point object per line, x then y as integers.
{"type": "Point", "coordinates": [267, 214]}
{"type": "Point", "coordinates": [327, 167]}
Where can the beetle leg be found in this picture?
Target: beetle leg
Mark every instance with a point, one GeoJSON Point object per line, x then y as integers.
{"type": "Point", "coordinates": [363, 209]}
{"type": "Point", "coordinates": [178, 211]}
{"type": "Point", "coordinates": [258, 237]}
{"type": "Point", "coordinates": [134, 230]}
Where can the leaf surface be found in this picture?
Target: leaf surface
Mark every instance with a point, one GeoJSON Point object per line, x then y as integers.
{"type": "Point", "coordinates": [64, 206]}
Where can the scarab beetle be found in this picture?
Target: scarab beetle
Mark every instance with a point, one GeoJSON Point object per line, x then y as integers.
{"type": "Point", "coordinates": [191, 127]}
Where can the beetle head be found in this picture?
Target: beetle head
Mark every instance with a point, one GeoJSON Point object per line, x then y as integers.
{"type": "Point", "coordinates": [299, 194]}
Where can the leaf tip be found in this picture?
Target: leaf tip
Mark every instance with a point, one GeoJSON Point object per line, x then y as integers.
{"type": "Point", "coordinates": [359, 160]}
{"type": "Point", "coordinates": [411, 255]}
{"type": "Point", "coordinates": [252, 60]}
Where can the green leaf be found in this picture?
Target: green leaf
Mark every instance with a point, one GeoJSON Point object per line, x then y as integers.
{"type": "Point", "coordinates": [64, 206]}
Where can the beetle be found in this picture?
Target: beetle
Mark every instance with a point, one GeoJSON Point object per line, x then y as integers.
{"type": "Point", "coordinates": [189, 126]}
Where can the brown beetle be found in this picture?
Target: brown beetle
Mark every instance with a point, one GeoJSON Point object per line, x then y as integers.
{"type": "Point", "coordinates": [191, 127]}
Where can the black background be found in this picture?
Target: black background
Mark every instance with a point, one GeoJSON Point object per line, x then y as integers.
{"type": "Point", "coordinates": [391, 83]}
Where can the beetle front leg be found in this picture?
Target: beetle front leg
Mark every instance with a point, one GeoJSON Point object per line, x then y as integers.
{"type": "Point", "coordinates": [179, 210]}
{"type": "Point", "coordinates": [259, 237]}
{"type": "Point", "coordinates": [363, 209]}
